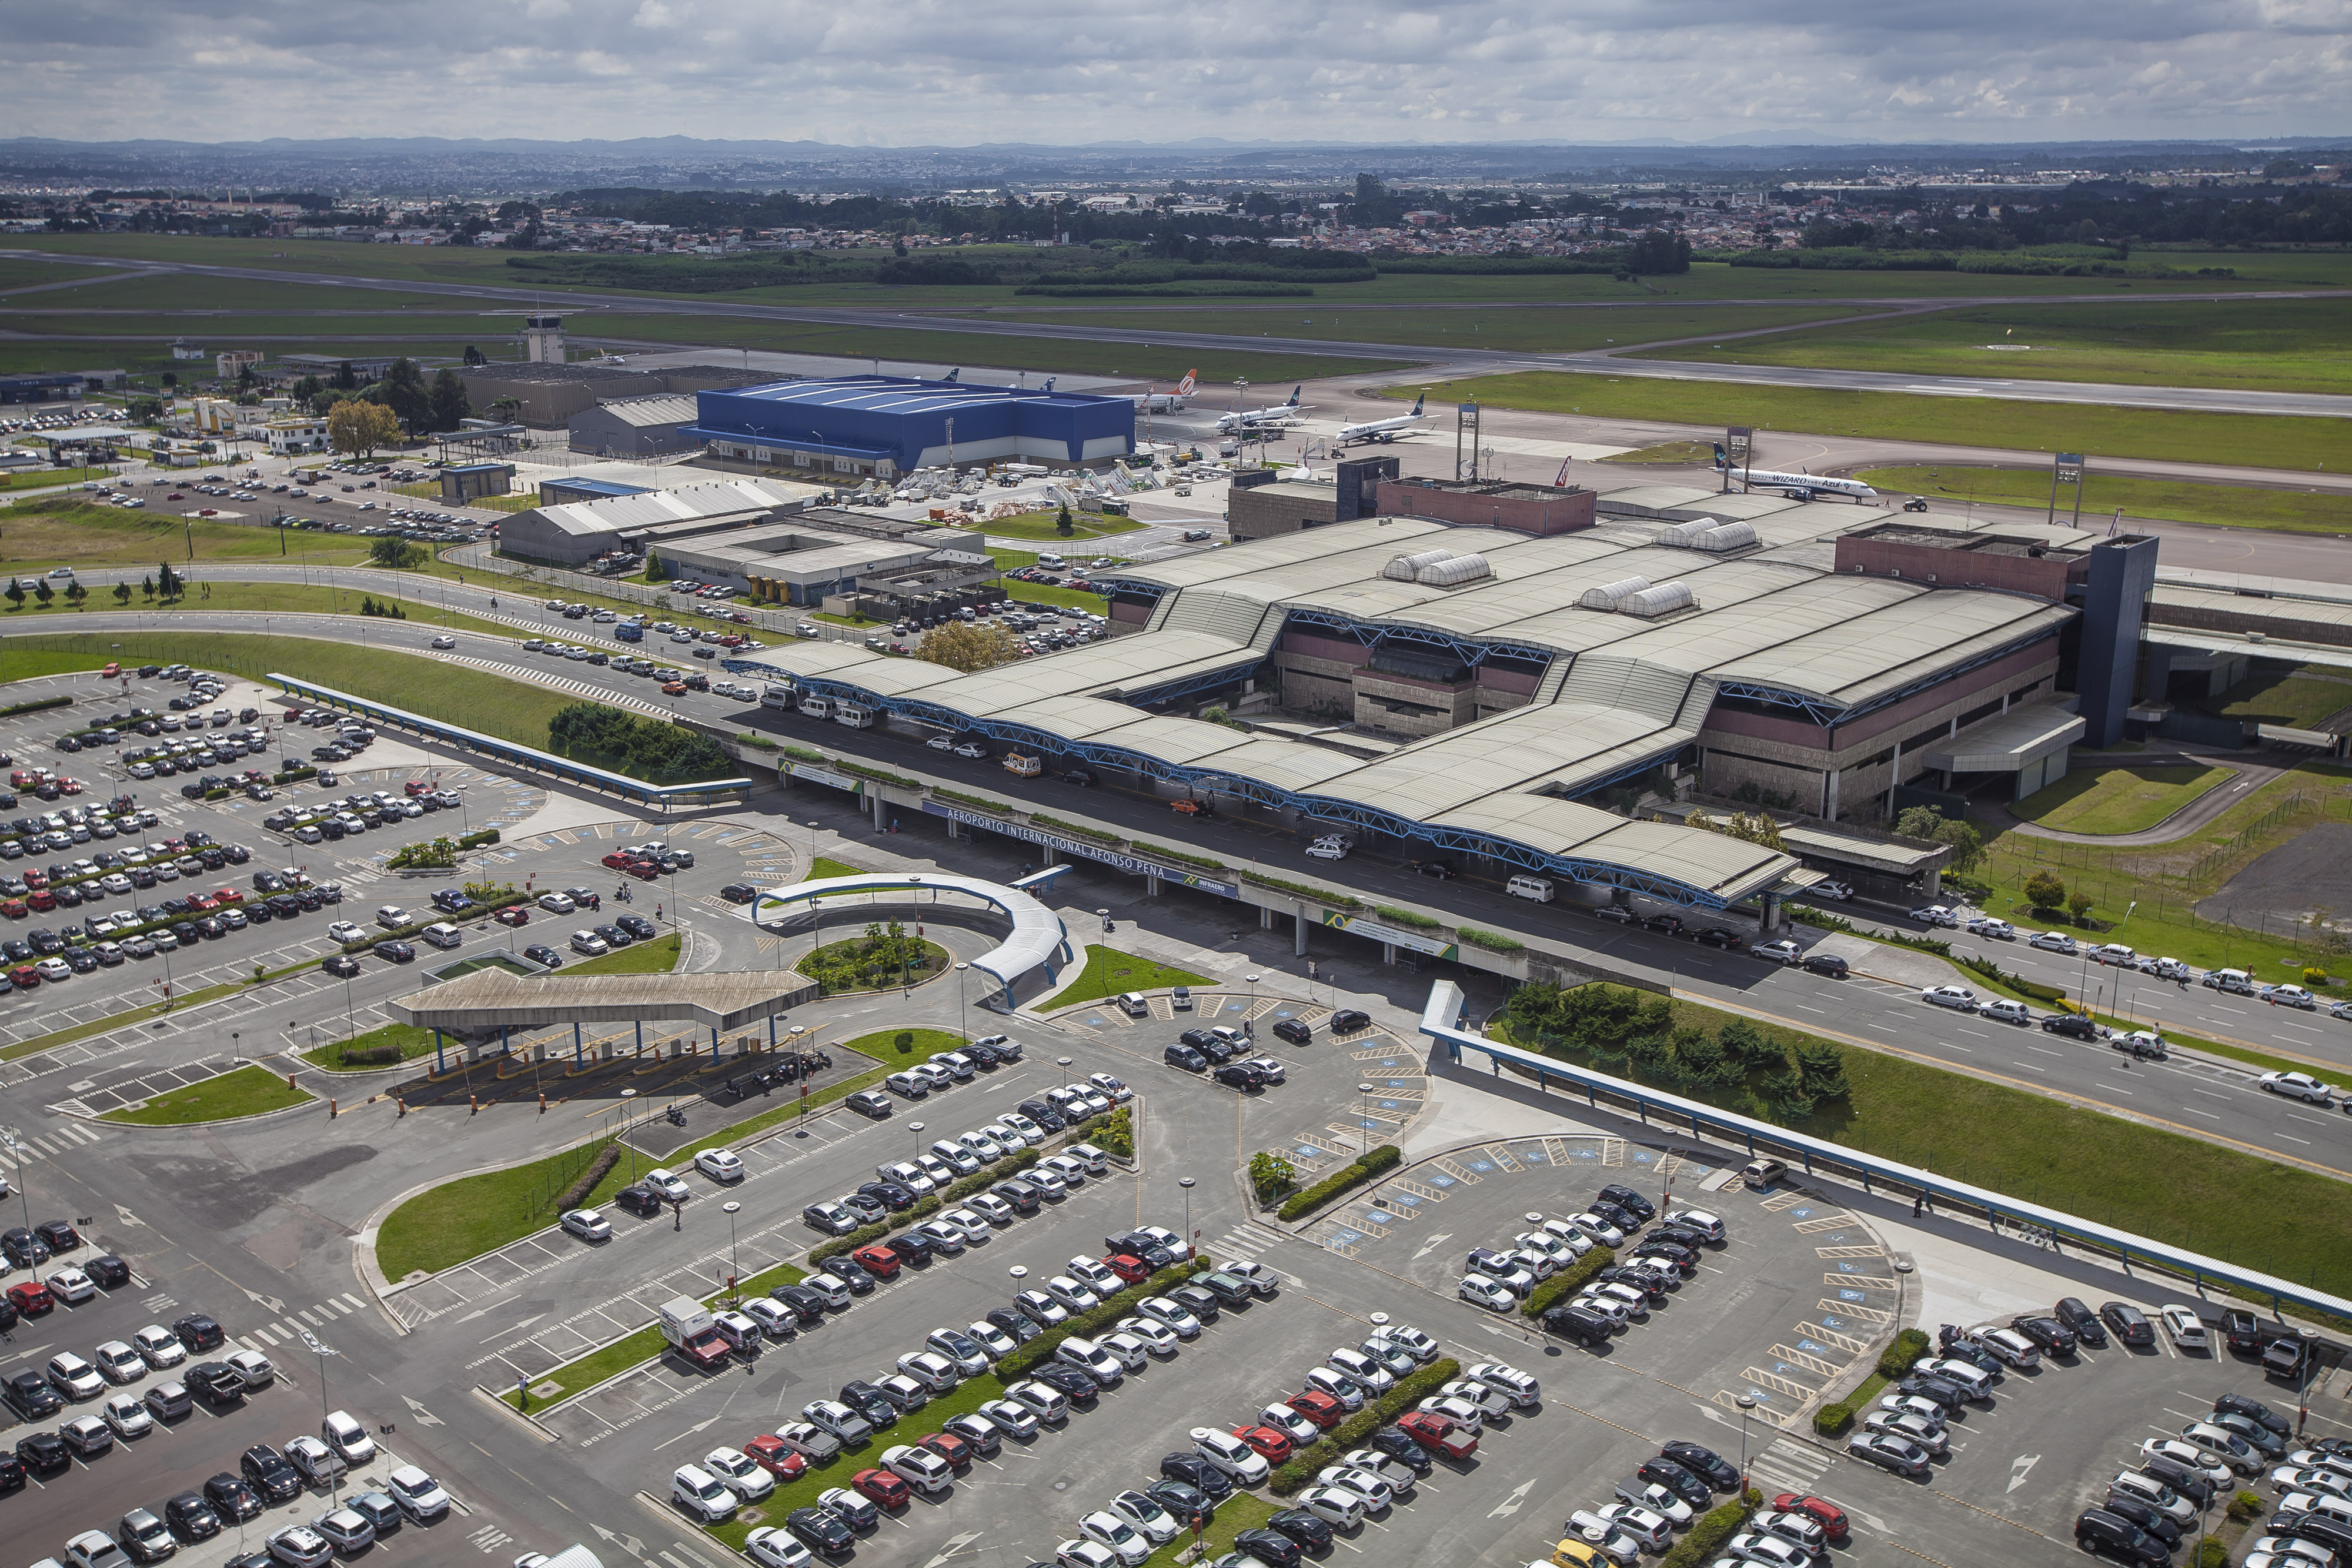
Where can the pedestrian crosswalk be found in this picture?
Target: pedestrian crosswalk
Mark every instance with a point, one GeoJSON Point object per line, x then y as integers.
{"type": "Point", "coordinates": [69, 1135]}
{"type": "Point", "coordinates": [1786, 1465]}
{"type": "Point", "coordinates": [292, 1326]}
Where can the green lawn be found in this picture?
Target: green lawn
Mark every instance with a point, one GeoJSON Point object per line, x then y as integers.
{"type": "Point", "coordinates": [1040, 525]}
{"type": "Point", "coordinates": [37, 478]}
{"type": "Point", "coordinates": [253, 598]}
{"type": "Point", "coordinates": [2269, 345]}
{"type": "Point", "coordinates": [826, 867]}
{"type": "Point", "coordinates": [66, 530]}
{"type": "Point", "coordinates": [1110, 972]}
{"type": "Point", "coordinates": [1532, 330]}
{"type": "Point", "coordinates": [412, 1040]}
{"type": "Point", "coordinates": [2119, 799]}
{"type": "Point", "coordinates": [1666, 455]}
{"type": "Point", "coordinates": [883, 1043]}
{"type": "Point", "coordinates": [21, 663]}
{"type": "Point", "coordinates": [658, 957]}
{"type": "Point", "coordinates": [466, 1217]}
{"type": "Point", "coordinates": [2162, 1185]}
{"type": "Point", "coordinates": [2261, 440]}
{"type": "Point", "coordinates": [247, 1092]}
{"type": "Point", "coordinates": [2186, 501]}
{"type": "Point", "coordinates": [491, 704]}
{"type": "Point", "coordinates": [2294, 698]}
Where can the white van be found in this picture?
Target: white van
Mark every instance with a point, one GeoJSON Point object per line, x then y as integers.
{"type": "Point", "coordinates": [816, 707]}
{"type": "Point", "coordinates": [1536, 888]}
{"type": "Point", "coordinates": [1048, 559]}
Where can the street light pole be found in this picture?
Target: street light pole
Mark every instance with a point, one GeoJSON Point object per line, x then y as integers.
{"type": "Point", "coordinates": [1363, 1119]}
{"type": "Point", "coordinates": [734, 1257]}
{"type": "Point", "coordinates": [1064, 1063]}
{"type": "Point", "coordinates": [1186, 1183]}
{"type": "Point", "coordinates": [917, 1129]}
{"type": "Point", "coordinates": [334, 1477]}
{"type": "Point", "coordinates": [963, 1018]}
{"type": "Point", "coordinates": [1747, 1403]}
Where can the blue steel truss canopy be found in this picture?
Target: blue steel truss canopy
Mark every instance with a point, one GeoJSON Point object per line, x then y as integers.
{"type": "Point", "coordinates": [1038, 939]}
{"type": "Point", "coordinates": [901, 424]}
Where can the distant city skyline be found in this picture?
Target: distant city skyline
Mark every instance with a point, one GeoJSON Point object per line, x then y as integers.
{"type": "Point", "coordinates": [910, 75]}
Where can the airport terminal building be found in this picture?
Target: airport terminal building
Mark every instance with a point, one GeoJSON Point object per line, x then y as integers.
{"type": "Point", "coordinates": [886, 426]}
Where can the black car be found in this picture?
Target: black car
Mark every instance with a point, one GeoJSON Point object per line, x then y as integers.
{"type": "Point", "coordinates": [2242, 1330]}
{"type": "Point", "coordinates": [2079, 1317]}
{"type": "Point", "coordinates": [1347, 1020]}
{"type": "Point", "coordinates": [1304, 1528]}
{"type": "Point", "coordinates": [1652, 1281]}
{"type": "Point", "coordinates": [2073, 1025]}
{"type": "Point", "coordinates": [1185, 1502]}
{"type": "Point", "coordinates": [869, 1402]}
{"type": "Point", "coordinates": [1067, 1381]}
{"type": "Point", "coordinates": [1944, 1392]}
{"type": "Point", "coordinates": [1044, 1115]}
{"type": "Point", "coordinates": [28, 1393]}
{"type": "Point", "coordinates": [1199, 1301]}
{"type": "Point", "coordinates": [269, 1473]}
{"type": "Point", "coordinates": [1674, 1252]}
{"type": "Point", "coordinates": [232, 1499]}
{"type": "Point", "coordinates": [639, 1199]}
{"type": "Point", "coordinates": [2112, 1535]}
{"type": "Point", "coordinates": [1199, 1474]}
{"type": "Point", "coordinates": [1229, 1291]}
{"type": "Point", "coordinates": [1704, 1463]}
{"type": "Point", "coordinates": [191, 1518]}
{"type": "Point", "coordinates": [985, 1055]}
{"type": "Point", "coordinates": [2256, 1411]}
{"type": "Point", "coordinates": [1720, 937]}
{"type": "Point", "coordinates": [215, 1383]}
{"type": "Point", "coordinates": [107, 1271]}
{"type": "Point", "coordinates": [859, 1282]}
{"type": "Point", "coordinates": [1016, 1324]}
{"type": "Point", "coordinates": [1671, 925]}
{"type": "Point", "coordinates": [820, 1530]}
{"type": "Point", "coordinates": [2051, 1335]}
{"type": "Point", "coordinates": [1295, 1030]}
{"type": "Point", "coordinates": [744, 893]}
{"type": "Point", "coordinates": [2191, 1483]}
{"type": "Point", "coordinates": [1271, 1547]}
{"type": "Point", "coordinates": [1443, 871]}
{"type": "Point", "coordinates": [2149, 1517]}
{"type": "Point", "coordinates": [44, 1453]}
{"type": "Point", "coordinates": [12, 1472]}
{"type": "Point", "coordinates": [1396, 1444]}
{"type": "Point", "coordinates": [805, 1304]}
{"type": "Point", "coordinates": [22, 1248]}
{"type": "Point", "coordinates": [392, 952]}
{"type": "Point", "coordinates": [1240, 1075]}
{"type": "Point", "coordinates": [1186, 1057]}
{"type": "Point", "coordinates": [1633, 1202]}
{"type": "Point", "coordinates": [889, 1195]}
{"type": "Point", "coordinates": [2127, 1324]}
{"type": "Point", "coordinates": [1622, 1219]}
{"type": "Point", "coordinates": [541, 954]}
{"type": "Point", "coordinates": [910, 1249]}
{"type": "Point", "coordinates": [1677, 1478]}
{"type": "Point", "coordinates": [614, 936]}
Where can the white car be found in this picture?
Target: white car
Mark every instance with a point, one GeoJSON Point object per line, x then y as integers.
{"type": "Point", "coordinates": [1156, 1337]}
{"type": "Point", "coordinates": [556, 902]}
{"type": "Point", "coordinates": [1483, 1291]}
{"type": "Point", "coordinates": [1912, 1426]}
{"type": "Point", "coordinates": [1377, 1494]}
{"type": "Point", "coordinates": [1770, 1550]}
{"type": "Point", "coordinates": [667, 1185]}
{"type": "Point", "coordinates": [2296, 1086]}
{"type": "Point", "coordinates": [919, 1467]}
{"type": "Point", "coordinates": [993, 1341]}
{"type": "Point", "coordinates": [1146, 1516]}
{"type": "Point", "coordinates": [587, 1224]}
{"type": "Point", "coordinates": [1411, 1341]}
{"type": "Point", "coordinates": [2185, 1327]}
{"type": "Point", "coordinates": [1462, 1409]}
{"type": "Point", "coordinates": [1335, 1506]}
{"type": "Point", "coordinates": [2189, 1455]}
{"type": "Point", "coordinates": [127, 1414]}
{"type": "Point", "coordinates": [1603, 1536]}
{"type": "Point", "coordinates": [771, 1547]}
{"type": "Point", "coordinates": [990, 1208]}
{"type": "Point", "coordinates": [1959, 997]}
{"type": "Point", "coordinates": [1599, 1229]}
{"type": "Point", "coordinates": [972, 750]}
{"type": "Point", "coordinates": [2290, 997]}
{"type": "Point", "coordinates": [1085, 1554]}
{"type": "Point", "coordinates": [1658, 1499]}
{"type": "Point", "coordinates": [1650, 1529]}
{"type": "Point", "coordinates": [1289, 1423]}
{"type": "Point", "coordinates": [2001, 1009]}
{"type": "Point", "coordinates": [1935, 915]}
{"type": "Point", "coordinates": [118, 1362]}
{"type": "Point", "coordinates": [1118, 1093]}
{"type": "Point", "coordinates": [2055, 941]}
{"type": "Point", "coordinates": [1229, 1454]}
{"type": "Point", "coordinates": [981, 1146]}
{"type": "Point", "coordinates": [1362, 1368]}
{"type": "Point", "coordinates": [1124, 1540]}
{"type": "Point", "coordinates": [740, 1473]}
{"type": "Point", "coordinates": [720, 1165]}
{"type": "Point", "coordinates": [1993, 926]}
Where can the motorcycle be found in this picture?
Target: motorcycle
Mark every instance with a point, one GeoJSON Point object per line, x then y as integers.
{"type": "Point", "coordinates": [677, 1115]}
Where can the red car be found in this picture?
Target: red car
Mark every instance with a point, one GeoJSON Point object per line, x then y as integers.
{"type": "Point", "coordinates": [948, 1447]}
{"type": "Point", "coordinates": [1271, 1444]}
{"type": "Point", "coordinates": [224, 896]}
{"type": "Point", "coordinates": [36, 878]}
{"type": "Point", "coordinates": [512, 914]}
{"type": "Point", "coordinates": [877, 1260]}
{"type": "Point", "coordinates": [618, 860]}
{"type": "Point", "coordinates": [203, 901]}
{"type": "Point", "coordinates": [13, 908]}
{"type": "Point", "coordinates": [1324, 1410]}
{"type": "Point", "coordinates": [32, 1297]}
{"type": "Point", "coordinates": [644, 871]}
{"type": "Point", "coordinates": [768, 1451]}
{"type": "Point", "coordinates": [879, 1487]}
{"type": "Point", "coordinates": [1128, 1268]}
{"type": "Point", "coordinates": [1440, 1434]}
{"type": "Point", "coordinates": [415, 787]}
{"type": "Point", "coordinates": [23, 977]}
{"type": "Point", "coordinates": [1827, 1514]}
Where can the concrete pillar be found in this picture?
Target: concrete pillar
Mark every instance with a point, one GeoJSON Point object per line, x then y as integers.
{"type": "Point", "coordinates": [578, 1057]}
{"type": "Point", "coordinates": [714, 1043]}
{"type": "Point", "coordinates": [1388, 952]}
{"type": "Point", "coordinates": [1622, 897]}
{"type": "Point", "coordinates": [1265, 919]}
{"type": "Point", "coordinates": [772, 1031]}
{"type": "Point", "coordinates": [440, 1061]}
{"type": "Point", "coordinates": [1298, 934]}
{"type": "Point", "coordinates": [641, 1037]}
{"type": "Point", "coordinates": [881, 810]}
{"type": "Point", "coordinates": [1151, 886]}
{"type": "Point", "coordinates": [504, 1048]}
{"type": "Point", "coordinates": [1829, 809]}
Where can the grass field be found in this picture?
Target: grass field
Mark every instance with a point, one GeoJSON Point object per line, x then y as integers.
{"type": "Point", "coordinates": [65, 530]}
{"type": "Point", "coordinates": [389, 331]}
{"type": "Point", "coordinates": [2299, 700]}
{"type": "Point", "coordinates": [39, 478]}
{"type": "Point", "coordinates": [491, 704]}
{"type": "Point", "coordinates": [20, 663]}
{"type": "Point", "coordinates": [2261, 439]}
{"type": "Point", "coordinates": [146, 356]}
{"type": "Point", "coordinates": [1039, 526]}
{"type": "Point", "coordinates": [883, 1043]}
{"type": "Point", "coordinates": [2118, 799]}
{"type": "Point", "coordinates": [2224, 506]}
{"type": "Point", "coordinates": [658, 957]}
{"type": "Point", "coordinates": [247, 1092]}
{"type": "Point", "coordinates": [1668, 455]}
{"type": "Point", "coordinates": [469, 1217]}
{"type": "Point", "coordinates": [17, 273]}
{"type": "Point", "coordinates": [412, 1041]}
{"type": "Point", "coordinates": [1109, 972]}
{"type": "Point", "coordinates": [1530, 330]}
{"type": "Point", "coordinates": [257, 598]}
{"type": "Point", "coordinates": [2268, 345]}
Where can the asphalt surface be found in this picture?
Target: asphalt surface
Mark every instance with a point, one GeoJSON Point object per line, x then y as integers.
{"type": "Point", "coordinates": [1449, 362]}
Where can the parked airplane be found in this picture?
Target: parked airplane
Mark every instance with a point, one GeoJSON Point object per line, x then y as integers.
{"type": "Point", "coordinates": [1382, 429]}
{"type": "Point", "coordinates": [1167, 402]}
{"type": "Point", "coordinates": [1256, 418]}
{"type": "Point", "coordinates": [1803, 486]}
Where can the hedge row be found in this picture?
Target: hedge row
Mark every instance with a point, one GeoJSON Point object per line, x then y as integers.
{"type": "Point", "coordinates": [1301, 1469]}
{"type": "Point", "coordinates": [1162, 851]}
{"type": "Point", "coordinates": [1395, 916]}
{"type": "Point", "coordinates": [1305, 889]}
{"type": "Point", "coordinates": [1493, 941]}
{"type": "Point", "coordinates": [1027, 1357]}
{"type": "Point", "coordinates": [1569, 1280]}
{"type": "Point", "coordinates": [1895, 1362]}
{"type": "Point", "coordinates": [41, 705]}
{"type": "Point", "coordinates": [2049, 996]}
{"type": "Point", "coordinates": [923, 1207]}
{"type": "Point", "coordinates": [1707, 1537]}
{"type": "Point", "coordinates": [475, 840]}
{"type": "Point", "coordinates": [1354, 1174]}
{"type": "Point", "coordinates": [1832, 1420]}
{"type": "Point", "coordinates": [577, 1193]}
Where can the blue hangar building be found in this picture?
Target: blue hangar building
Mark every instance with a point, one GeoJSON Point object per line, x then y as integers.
{"type": "Point", "coordinates": [886, 426]}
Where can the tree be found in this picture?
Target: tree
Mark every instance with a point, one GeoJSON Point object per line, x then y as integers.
{"type": "Point", "coordinates": [306, 390]}
{"type": "Point", "coordinates": [2043, 891]}
{"type": "Point", "coordinates": [1968, 846]}
{"type": "Point", "coordinates": [981, 646]}
{"type": "Point", "coordinates": [1271, 1175]}
{"type": "Point", "coordinates": [450, 404]}
{"type": "Point", "coordinates": [2078, 904]}
{"type": "Point", "coordinates": [359, 428]}
{"type": "Point", "coordinates": [655, 570]}
{"type": "Point", "coordinates": [397, 553]}
{"type": "Point", "coordinates": [170, 378]}
{"type": "Point", "coordinates": [1658, 251]}
{"type": "Point", "coordinates": [1822, 1067]}
{"type": "Point", "coordinates": [16, 594]}
{"type": "Point", "coordinates": [403, 391]}
{"type": "Point", "coordinates": [43, 592]}
{"type": "Point", "coordinates": [147, 586]}
{"type": "Point", "coordinates": [122, 594]}
{"type": "Point", "coordinates": [346, 377]}
{"type": "Point", "coordinates": [1064, 524]}
{"type": "Point", "coordinates": [75, 594]}
{"type": "Point", "coordinates": [475, 356]}
{"type": "Point", "coordinates": [167, 581]}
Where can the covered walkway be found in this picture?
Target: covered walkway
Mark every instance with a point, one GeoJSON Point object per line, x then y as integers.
{"type": "Point", "coordinates": [1038, 939]}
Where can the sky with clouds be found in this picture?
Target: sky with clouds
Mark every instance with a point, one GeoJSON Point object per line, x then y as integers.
{"type": "Point", "coordinates": [957, 72]}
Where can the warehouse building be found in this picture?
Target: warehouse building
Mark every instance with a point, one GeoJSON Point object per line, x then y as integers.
{"type": "Point", "coordinates": [829, 552]}
{"type": "Point", "coordinates": [627, 427]}
{"type": "Point", "coordinates": [573, 533]}
{"type": "Point", "coordinates": [546, 394]}
{"type": "Point", "coordinates": [1477, 690]}
{"type": "Point", "coordinates": [885, 426]}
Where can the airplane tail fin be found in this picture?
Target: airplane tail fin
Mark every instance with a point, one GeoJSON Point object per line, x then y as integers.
{"type": "Point", "coordinates": [1722, 458]}
{"type": "Point", "coordinates": [1184, 387]}
{"type": "Point", "coordinates": [1294, 395]}
{"type": "Point", "coordinates": [952, 375]}
{"type": "Point", "coordinates": [1049, 383]}
{"type": "Point", "coordinates": [1416, 404]}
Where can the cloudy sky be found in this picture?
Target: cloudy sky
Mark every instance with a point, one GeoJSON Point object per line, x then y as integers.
{"type": "Point", "coordinates": [950, 72]}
